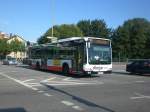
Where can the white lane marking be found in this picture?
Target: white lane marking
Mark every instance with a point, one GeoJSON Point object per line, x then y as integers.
{"type": "Point", "coordinates": [34, 84]}
{"type": "Point", "coordinates": [68, 103]}
{"type": "Point", "coordinates": [40, 91]}
{"type": "Point", "coordinates": [77, 108]}
{"type": "Point", "coordinates": [13, 71]}
{"type": "Point", "coordinates": [139, 96]}
{"type": "Point", "coordinates": [139, 81]}
{"type": "Point", "coordinates": [37, 85]}
{"type": "Point", "coordinates": [66, 79]}
{"type": "Point", "coordinates": [28, 80]}
{"type": "Point", "coordinates": [16, 80]}
{"type": "Point", "coordinates": [73, 80]}
{"type": "Point", "coordinates": [46, 94]}
{"type": "Point", "coordinates": [71, 83]}
{"type": "Point", "coordinates": [34, 89]}
{"type": "Point", "coordinates": [47, 80]}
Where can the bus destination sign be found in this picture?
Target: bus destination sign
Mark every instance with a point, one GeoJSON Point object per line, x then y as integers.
{"type": "Point", "coordinates": [100, 41]}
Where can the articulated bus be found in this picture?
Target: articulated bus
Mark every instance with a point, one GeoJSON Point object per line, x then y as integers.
{"type": "Point", "coordinates": [75, 55]}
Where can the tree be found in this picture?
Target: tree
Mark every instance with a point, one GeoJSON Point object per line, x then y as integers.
{"type": "Point", "coordinates": [94, 28]}
{"type": "Point", "coordinates": [85, 27]}
{"type": "Point", "coordinates": [16, 46]}
{"type": "Point", "coordinates": [62, 31]}
{"type": "Point", "coordinates": [99, 29]}
{"type": "Point", "coordinates": [4, 47]}
{"type": "Point", "coordinates": [132, 39]}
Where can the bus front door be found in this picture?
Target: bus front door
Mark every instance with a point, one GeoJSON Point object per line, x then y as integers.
{"type": "Point", "coordinates": [79, 56]}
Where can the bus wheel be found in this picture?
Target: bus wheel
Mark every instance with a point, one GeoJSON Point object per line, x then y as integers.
{"type": "Point", "coordinates": [37, 65]}
{"type": "Point", "coordinates": [65, 69]}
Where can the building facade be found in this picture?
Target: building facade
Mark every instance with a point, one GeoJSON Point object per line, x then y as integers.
{"type": "Point", "coordinates": [19, 54]}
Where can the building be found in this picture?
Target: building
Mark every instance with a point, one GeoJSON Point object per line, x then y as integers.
{"type": "Point", "coordinates": [3, 35]}
{"type": "Point", "coordinates": [18, 55]}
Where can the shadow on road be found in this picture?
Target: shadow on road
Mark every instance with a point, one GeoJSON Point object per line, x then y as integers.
{"type": "Point", "coordinates": [131, 74]}
{"type": "Point", "coordinates": [80, 100]}
{"type": "Point", "coordinates": [18, 109]}
{"type": "Point", "coordinates": [61, 74]}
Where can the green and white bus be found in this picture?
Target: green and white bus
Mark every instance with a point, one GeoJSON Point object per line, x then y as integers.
{"type": "Point", "coordinates": [75, 55]}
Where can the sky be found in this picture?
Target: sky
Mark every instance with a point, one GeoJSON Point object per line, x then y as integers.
{"type": "Point", "coordinates": [30, 19]}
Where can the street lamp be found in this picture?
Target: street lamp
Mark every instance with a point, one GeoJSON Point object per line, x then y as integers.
{"type": "Point", "coordinates": [52, 16]}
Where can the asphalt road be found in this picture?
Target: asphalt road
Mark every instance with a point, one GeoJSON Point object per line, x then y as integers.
{"type": "Point", "coordinates": [28, 90]}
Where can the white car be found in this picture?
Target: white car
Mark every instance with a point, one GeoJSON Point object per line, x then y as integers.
{"type": "Point", "coordinates": [12, 61]}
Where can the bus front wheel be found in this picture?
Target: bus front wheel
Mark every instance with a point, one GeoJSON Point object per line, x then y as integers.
{"type": "Point", "coordinates": [65, 69]}
{"type": "Point", "coordinates": [37, 65]}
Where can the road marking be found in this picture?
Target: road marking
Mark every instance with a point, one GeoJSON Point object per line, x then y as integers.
{"type": "Point", "coordinates": [66, 79]}
{"type": "Point", "coordinates": [34, 84]}
{"type": "Point", "coordinates": [40, 91]}
{"type": "Point", "coordinates": [68, 103]}
{"type": "Point", "coordinates": [34, 89]}
{"type": "Point", "coordinates": [47, 80]}
{"type": "Point", "coordinates": [56, 83]}
{"type": "Point", "coordinates": [133, 98]}
{"type": "Point", "coordinates": [13, 71]}
{"type": "Point", "coordinates": [77, 108]}
{"type": "Point", "coordinates": [37, 85]}
{"type": "Point", "coordinates": [139, 96]}
{"type": "Point", "coordinates": [139, 81]}
{"type": "Point", "coordinates": [28, 80]}
{"type": "Point", "coordinates": [16, 80]}
{"type": "Point", "coordinates": [46, 94]}
{"type": "Point", "coordinates": [73, 80]}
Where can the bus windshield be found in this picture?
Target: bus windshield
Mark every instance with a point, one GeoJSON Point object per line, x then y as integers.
{"type": "Point", "coordinates": [99, 54]}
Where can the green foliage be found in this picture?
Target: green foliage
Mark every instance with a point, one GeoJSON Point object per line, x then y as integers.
{"type": "Point", "coordinates": [85, 27]}
{"type": "Point", "coordinates": [62, 31]}
{"type": "Point", "coordinates": [131, 40]}
{"type": "Point", "coordinates": [4, 47]}
{"type": "Point", "coordinates": [43, 39]}
{"type": "Point", "coordinates": [16, 46]}
{"type": "Point", "coordinates": [94, 28]}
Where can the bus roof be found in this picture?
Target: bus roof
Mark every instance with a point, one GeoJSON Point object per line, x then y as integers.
{"type": "Point", "coordinates": [79, 38]}
{"type": "Point", "coordinates": [38, 46]}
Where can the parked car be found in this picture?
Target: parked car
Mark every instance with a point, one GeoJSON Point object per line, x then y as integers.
{"type": "Point", "coordinates": [11, 61]}
{"type": "Point", "coordinates": [138, 66]}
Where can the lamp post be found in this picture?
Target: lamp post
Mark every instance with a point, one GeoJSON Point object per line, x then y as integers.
{"type": "Point", "coordinates": [52, 16]}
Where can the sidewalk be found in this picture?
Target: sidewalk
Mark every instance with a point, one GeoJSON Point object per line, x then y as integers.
{"type": "Point", "coordinates": [119, 68]}
{"type": "Point", "coordinates": [120, 71]}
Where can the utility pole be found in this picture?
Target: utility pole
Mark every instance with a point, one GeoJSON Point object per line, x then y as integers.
{"type": "Point", "coordinates": [52, 16]}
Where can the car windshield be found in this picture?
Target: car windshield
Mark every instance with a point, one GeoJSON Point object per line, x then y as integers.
{"type": "Point", "coordinates": [99, 54]}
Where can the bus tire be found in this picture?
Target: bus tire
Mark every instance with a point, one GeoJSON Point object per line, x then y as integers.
{"type": "Point", "coordinates": [37, 65]}
{"type": "Point", "coordinates": [65, 69]}
{"type": "Point", "coordinates": [109, 72]}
